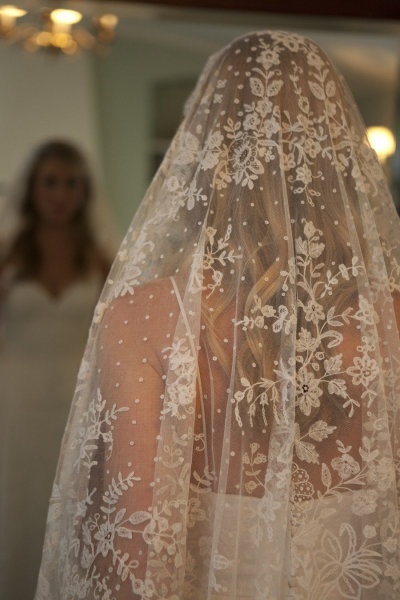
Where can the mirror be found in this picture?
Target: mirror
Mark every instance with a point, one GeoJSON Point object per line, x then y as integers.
{"type": "Point", "coordinates": [123, 109]}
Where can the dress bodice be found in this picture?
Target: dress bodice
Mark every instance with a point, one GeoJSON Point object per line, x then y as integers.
{"type": "Point", "coordinates": [33, 322]}
{"type": "Point", "coordinates": [41, 344]}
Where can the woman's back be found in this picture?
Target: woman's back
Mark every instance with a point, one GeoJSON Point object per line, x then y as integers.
{"type": "Point", "coordinates": [235, 424]}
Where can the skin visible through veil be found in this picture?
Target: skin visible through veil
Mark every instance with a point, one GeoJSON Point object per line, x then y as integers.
{"type": "Point", "coordinates": [234, 432]}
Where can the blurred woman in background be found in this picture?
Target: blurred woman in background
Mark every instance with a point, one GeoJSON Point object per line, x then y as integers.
{"type": "Point", "coordinates": [51, 274]}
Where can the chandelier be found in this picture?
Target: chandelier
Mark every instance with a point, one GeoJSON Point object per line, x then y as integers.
{"type": "Point", "coordinates": [56, 30]}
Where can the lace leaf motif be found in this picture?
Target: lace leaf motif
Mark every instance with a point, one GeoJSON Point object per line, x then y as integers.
{"type": "Point", "coordinates": [96, 426]}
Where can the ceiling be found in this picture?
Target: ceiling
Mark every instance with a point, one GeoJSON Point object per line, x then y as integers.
{"type": "Point", "coordinates": [368, 9]}
{"type": "Point", "coordinates": [363, 49]}
{"type": "Point", "coordinates": [363, 38]}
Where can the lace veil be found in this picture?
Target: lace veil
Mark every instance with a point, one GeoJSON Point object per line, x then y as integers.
{"type": "Point", "coordinates": [235, 427]}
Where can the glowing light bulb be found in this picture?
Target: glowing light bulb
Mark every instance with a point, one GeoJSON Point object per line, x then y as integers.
{"type": "Point", "coordinates": [8, 14]}
{"type": "Point", "coordinates": [108, 21]}
{"type": "Point", "coordinates": [63, 18]}
{"type": "Point", "coordinates": [10, 10]}
{"type": "Point", "coordinates": [382, 141]}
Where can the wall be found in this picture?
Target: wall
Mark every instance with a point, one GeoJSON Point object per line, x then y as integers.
{"type": "Point", "coordinates": [126, 84]}
{"type": "Point", "coordinates": [43, 96]}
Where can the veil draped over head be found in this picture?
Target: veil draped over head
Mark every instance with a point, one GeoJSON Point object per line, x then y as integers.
{"type": "Point", "coordinates": [235, 428]}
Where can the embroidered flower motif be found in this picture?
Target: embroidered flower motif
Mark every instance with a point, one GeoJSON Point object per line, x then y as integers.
{"type": "Point", "coordinates": [271, 127]}
{"type": "Point", "coordinates": [345, 565]}
{"type": "Point", "coordinates": [251, 121]}
{"type": "Point", "coordinates": [314, 60]}
{"type": "Point", "coordinates": [264, 107]}
{"type": "Point", "coordinates": [243, 162]}
{"type": "Point", "coordinates": [292, 42]}
{"type": "Point", "coordinates": [363, 371]}
{"type": "Point", "coordinates": [345, 465]}
{"type": "Point", "coordinates": [304, 174]}
{"type": "Point", "coordinates": [366, 312]}
{"type": "Point", "coordinates": [268, 58]}
{"type": "Point", "coordinates": [308, 391]}
{"type": "Point", "coordinates": [312, 147]}
{"type": "Point", "coordinates": [105, 537]}
{"type": "Point", "coordinates": [313, 311]}
{"type": "Point", "coordinates": [364, 502]}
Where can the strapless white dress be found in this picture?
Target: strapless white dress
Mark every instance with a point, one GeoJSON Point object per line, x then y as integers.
{"type": "Point", "coordinates": [42, 340]}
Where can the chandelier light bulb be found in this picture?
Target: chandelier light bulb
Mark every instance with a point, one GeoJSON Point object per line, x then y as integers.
{"type": "Point", "coordinates": [8, 14]}
{"type": "Point", "coordinates": [108, 21]}
{"type": "Point", "coordinates": [63, 18]}
{"type": "Point", "coordinates": [10, 10]}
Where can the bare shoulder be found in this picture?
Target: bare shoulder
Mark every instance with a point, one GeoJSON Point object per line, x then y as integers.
{"type": "Point", "coordinates": [148, 316]}
{"type": "Point", "coordinates": [151, 300]}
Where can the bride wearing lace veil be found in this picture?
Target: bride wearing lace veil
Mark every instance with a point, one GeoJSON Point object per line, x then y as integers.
{"type": "Point", "coordinates": [235, 427]}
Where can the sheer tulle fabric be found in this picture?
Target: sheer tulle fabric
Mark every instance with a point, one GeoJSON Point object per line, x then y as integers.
{"type": "Point", "coordinates": [234, 432]}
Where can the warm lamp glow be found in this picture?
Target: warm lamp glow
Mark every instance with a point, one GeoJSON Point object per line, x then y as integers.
{"type": "Point", "coordinates": [62, 16]}
{"type": "Point", "coordinates": [9, 10]}
{"type": "Point", "coordinates": [108, 21]}
{"type": "Point", "coordinates": [8, 14]}
{"type": "Point", "coordinates": [382, 141]}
